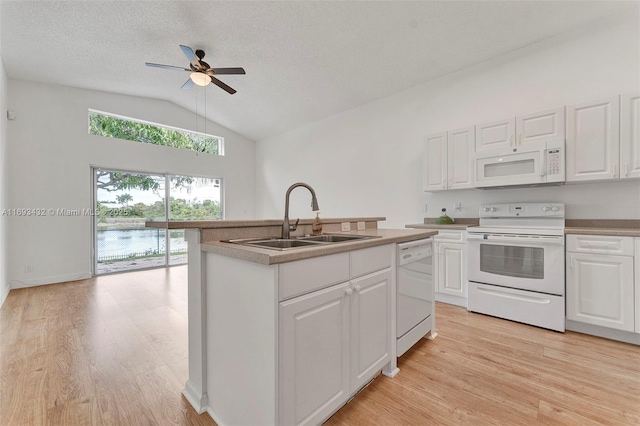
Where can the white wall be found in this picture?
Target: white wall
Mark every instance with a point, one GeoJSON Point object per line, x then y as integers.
{"type": "Point", "coordinates": [4, 280]}
{"type": "Point", "coordinates": [51, 154]}
{"type": "Point", "coordinates": [368, 161]}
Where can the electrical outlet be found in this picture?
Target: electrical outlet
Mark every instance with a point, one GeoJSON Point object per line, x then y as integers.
{"type": "Point", "coordinates": [457, 206]}
{"type": "Point", "coordinates": [346, 226]}
{"type": "Point", "coordinates": [28, 268]}
{"type": "Point", "coordinates": [360, 226]}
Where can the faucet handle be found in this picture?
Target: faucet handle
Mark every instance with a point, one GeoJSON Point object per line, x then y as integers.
{"type": "Point", "coordinates": [295, 226]}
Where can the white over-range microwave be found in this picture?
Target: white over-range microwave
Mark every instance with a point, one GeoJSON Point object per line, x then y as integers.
{"type": "Point", "coordinates": [532, 164]}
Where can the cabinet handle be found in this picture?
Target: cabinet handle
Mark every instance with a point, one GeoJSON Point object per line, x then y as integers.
{"type": "Point", "coordinates": [626, 169]}
{"type": "Point", "coordinates": [357, 288]}
{"type": "Point", "coordinates": [615, 170]}
{"type": "Point", "coordinates": [348, 291]}
{"type": "Point", "coordinates": [571, 262]}
{"type": "Point", "coordinates": [511, 139]}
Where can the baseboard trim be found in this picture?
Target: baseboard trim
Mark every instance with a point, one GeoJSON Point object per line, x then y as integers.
{"type": "Point", "coordinates": [198, 401]}
{"type": "Point", "coordinates": [50, 280]}
{"type": "Point", "coordinates": [451, 300]}
{"type": "Point", "coordinates": [604, 332]}
{"type": "Point", "coordinates": [4, 294]}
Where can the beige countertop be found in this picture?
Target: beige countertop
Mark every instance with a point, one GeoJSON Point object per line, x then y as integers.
{"type": "Point", "coordinates": [460, 224]}
{"type": "Point", "coordinates": [615, 232]}
{"type": "Point", "coordinates": [271, 257]}
{"type": "Point", "coordinates": [610, 227]}
{"type": "Point", "coordinates": [211, 224]}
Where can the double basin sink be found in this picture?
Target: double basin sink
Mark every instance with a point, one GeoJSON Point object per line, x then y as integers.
{"type": "Point", "coordinates": [300, 242]}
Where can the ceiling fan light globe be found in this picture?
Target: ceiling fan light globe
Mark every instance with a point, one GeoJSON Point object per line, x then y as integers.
{"type": "Point", "coordinates": [200, 79]}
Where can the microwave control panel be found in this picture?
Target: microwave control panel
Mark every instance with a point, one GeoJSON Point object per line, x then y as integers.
{"type": "Point", "coordinates": [554, 159]}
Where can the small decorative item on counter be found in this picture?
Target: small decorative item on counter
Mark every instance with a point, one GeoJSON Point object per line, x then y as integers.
{"type": "Point", "coordinates": [316, 226]}
{"type": "Point", "coordinates": [444, 219]}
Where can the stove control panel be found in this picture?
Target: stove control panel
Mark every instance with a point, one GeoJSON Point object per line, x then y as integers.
{"type": "Point", "coordinates": [522, 210]}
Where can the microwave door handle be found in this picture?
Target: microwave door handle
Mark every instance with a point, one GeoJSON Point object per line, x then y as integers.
{"type": "Point", "coordinates": [543, 168]}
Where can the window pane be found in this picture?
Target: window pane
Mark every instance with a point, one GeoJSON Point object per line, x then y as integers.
{"type": "Point", "coordinates": [137, 131]}
{"type": "Point", "coordinates": [124, 202]}
{"type": "Point", "coordinates": [191, 198]}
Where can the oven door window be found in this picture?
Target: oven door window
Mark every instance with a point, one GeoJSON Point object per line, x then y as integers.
{"type": "Point", "coordinates": [512, 261]}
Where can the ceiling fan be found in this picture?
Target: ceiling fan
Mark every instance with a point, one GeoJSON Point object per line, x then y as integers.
{"type": "Point", "coordinates": [201, 73]}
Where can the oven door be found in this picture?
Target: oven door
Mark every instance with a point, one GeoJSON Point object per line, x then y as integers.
{"type": "Point", "coordinates": [525, 262]}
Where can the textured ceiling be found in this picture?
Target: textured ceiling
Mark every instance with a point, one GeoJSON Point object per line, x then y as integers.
{"type": "Point", "coordinates": [304, 60]}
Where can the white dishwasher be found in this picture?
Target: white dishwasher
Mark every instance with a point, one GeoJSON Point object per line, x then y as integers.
{"type": "Point", "coordinates": [415, 300]}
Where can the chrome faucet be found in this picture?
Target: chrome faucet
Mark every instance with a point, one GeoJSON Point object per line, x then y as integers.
{"type": "Point", "coordinates": [286, 228]}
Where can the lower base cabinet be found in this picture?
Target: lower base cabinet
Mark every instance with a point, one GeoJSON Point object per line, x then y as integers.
{"type": "Point", "coordinates": [450, 267]}
{"type": "Point", "coordinates": [600, 281]}
{"type": "Point", "coordinates": [332, 342]}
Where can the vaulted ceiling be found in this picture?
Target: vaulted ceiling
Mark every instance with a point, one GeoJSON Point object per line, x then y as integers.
{"type": "Point", "coordinates": [304, 60]}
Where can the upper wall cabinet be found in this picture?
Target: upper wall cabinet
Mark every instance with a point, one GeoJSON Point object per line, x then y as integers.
{"type": "Point", "coordinates": [435, 162]}
{"type": "Point", "coordinates": [448, 160]}
{"type": "Point", "coordinates": [630, 135]}
{"type": "Point", "coordinates": [521, 130]}
{"type": "Point", "coordinates": [593, 140]}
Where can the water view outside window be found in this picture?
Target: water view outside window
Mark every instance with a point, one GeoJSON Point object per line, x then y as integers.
{"type": "Point", "coordinates": [126, 200]}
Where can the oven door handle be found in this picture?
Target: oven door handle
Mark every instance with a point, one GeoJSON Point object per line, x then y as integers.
{"type": "Point", "coordinates": [538, 240]}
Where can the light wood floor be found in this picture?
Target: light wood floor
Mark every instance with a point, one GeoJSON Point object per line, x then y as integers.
{"type": "Point", "coordinates": [113, 351]}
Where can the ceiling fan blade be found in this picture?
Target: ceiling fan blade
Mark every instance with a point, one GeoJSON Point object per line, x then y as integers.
{"type": "Point", "coordinates": [169, 67]}
{"type": "Point", "coordinates": [222, 85]}
{"type": "Point", "coordinates": [188, 52]}
{"type": "Point", "coordinates": [228, 70]}
{"type": "Point", "coordinates": [187, 85]}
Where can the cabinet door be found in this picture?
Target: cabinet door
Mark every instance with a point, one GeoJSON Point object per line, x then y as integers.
{"type": "Point", "coordinates": [435, 162]}
{"type": "Point", "coordinates": [593, 140]}
{"type": "Point", "coordinates": [497, 134]}
{"type": "Point", "coordinates": [370, 326]}
{"type": "Point", "coordinates": [460, 150]}
{"type": "Point", "coordinates": [314, 355]}
{"type": "Point", "coordinates": [451, 271]}
{"type": "Point", "coordinates": [630, 136]}
{"type": "Point", "coordinates": [540, 126]}
{"type": "Point", "coordinates": [600, 290]}
{"type": "Point", "coordinates": [637, 285]}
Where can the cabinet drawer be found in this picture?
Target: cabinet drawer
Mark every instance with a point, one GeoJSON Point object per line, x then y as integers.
{"type": "Point", "coordinates": [372, 259]}
{"type": "Point", "coordinates": [451, 236]}
{"type": "Point", "coordinates": [307, 275]}
{"type": "Point", "coordinates": [622, 246]}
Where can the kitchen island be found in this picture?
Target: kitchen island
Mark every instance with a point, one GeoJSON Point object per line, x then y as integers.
{"type": "Point", "coordinates": [287, 337]}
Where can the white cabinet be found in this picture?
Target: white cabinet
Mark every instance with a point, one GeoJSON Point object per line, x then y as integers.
{"type": "Point", "coordinates": [600, 281]}
{"type": "Point", "coordinates": [448, 160]}
{"type": "Point", "coordinates": [593, 140]}
{"type": "Point", "coordinates": [460, 144]}
{"type": "Point", "coordinates": [333, 341]}
{"type": "Point", "coordinates": [434, 157]}
{"type": "Point", "coordinates": [290, 343]}
{"type": "Point", "coordinates": [630, 136]}
{"type": "Point", "coordinates": [522, 130]}
{"type": "Point", "coordinates": [450, 267]}
{"type": "Point", "coordinates": [637, 285]}
{"type": "Point", "coordinates": [370, 327]}
{"type": "Point", "coordinates": [314, 353]}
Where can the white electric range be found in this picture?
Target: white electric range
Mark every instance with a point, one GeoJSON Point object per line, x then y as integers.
{"type": "Point", "coordinates": [516, 263]}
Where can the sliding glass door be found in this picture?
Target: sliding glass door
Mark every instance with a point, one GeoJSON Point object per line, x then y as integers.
{"type": "Point", "coordinates": [191, 198]}
{"type": "Point", "coordinates": [125, 200]}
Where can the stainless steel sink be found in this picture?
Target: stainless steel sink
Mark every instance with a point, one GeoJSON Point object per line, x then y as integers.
{"type": "Point", "coordinates": [336, 238]}
{"type": "Point", "coordinates": [300, 242]}
{"type": "Point", "coordinates": [274, 243]}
